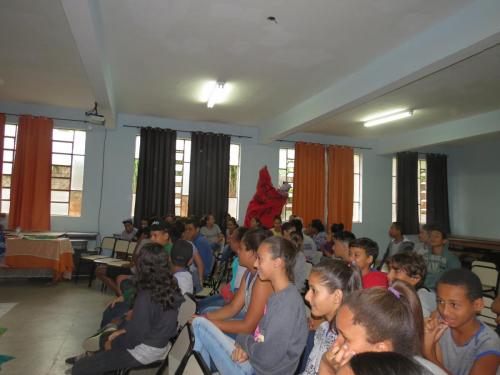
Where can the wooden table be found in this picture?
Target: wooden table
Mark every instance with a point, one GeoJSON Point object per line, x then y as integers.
{"type": "Point", "coordinates": [56, 254]}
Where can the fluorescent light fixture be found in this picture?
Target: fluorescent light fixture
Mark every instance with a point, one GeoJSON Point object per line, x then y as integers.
{"type": "Point", "coordinates": [385, 117]}
{"type": "Point", "coordinates": [214, 92]}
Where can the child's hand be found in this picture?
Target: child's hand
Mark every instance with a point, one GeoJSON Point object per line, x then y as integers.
{"type": "Point", "coordinates": [114, 301]}
{"type": "Point", "coordinates": [433, 330]}
{"type": "Point", "coordinates": [115, 334]}
{"type": "Point", "coordinates": [239, 355]}
{"type": "Point", "coordinates": [338, 355]}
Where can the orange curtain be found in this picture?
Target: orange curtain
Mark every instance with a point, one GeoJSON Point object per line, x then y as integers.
{"type": "Point", "coordinates": [2, 133]}
{"type": "Point", "coordinates": [30, 188]}
{"type": "Point", "coordinates": [309, 182]}
{"type": "Point", "coordinates": [340, 185]}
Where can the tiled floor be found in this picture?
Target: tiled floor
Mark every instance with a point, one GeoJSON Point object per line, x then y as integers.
{"type": "Point", "coordinates": [47, 325]}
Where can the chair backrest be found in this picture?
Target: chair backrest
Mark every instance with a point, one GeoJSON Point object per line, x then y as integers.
{"type": "Point", "coordinates": [195, 365]}
{"type": "Point", "coordinates": [108, 246]}
{"type": "Point", "coordinates": [487, 273]}
{"type": "Point", "coordinates": [186, 310]}
{"type": "Point", "coordinates": [307, 269]}
{"type": "Point", "coordinates": [121, 246]}
{"type": "Point", "coordinates": [486, 315]}
{"type": "Point", "coordinates": [131, 247]}
{"type": "Point", "coordinates": [181, 348]}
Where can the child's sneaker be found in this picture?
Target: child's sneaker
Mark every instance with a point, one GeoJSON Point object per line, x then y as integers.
{"type": "Point", "coordinates": [92, 344]}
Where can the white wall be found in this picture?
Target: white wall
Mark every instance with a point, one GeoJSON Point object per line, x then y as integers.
{"type": "Point", "coordinates": [118, 159]}
{"type": "Point", "coordinates": [474, 188]}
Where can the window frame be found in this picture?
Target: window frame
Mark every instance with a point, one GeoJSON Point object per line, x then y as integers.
{"type": "Point", "coordinates": [72, 155]}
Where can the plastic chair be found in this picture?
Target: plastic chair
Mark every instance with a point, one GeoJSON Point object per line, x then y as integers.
{"type": "Point", "coordinates": [486, 315]}
{"type": "Point", "coordinates": [488, 274]}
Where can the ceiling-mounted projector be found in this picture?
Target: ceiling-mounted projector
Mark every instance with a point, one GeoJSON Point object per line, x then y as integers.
{"type": "Point", "coordinates": [93, 117]}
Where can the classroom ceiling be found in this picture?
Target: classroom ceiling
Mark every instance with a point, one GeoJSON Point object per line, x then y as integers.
{"type": "Point", "coordinates": [158, 54]}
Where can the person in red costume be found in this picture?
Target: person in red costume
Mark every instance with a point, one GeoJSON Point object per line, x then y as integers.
{"type": "Point", "coordinates": [267, 201]}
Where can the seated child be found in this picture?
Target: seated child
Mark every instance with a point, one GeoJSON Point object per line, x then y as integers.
{"type": "Point", "coordinates": [423, 245]}
{"type": "Point", "coordinates": [439, 259]}
{"type": "Point", "coordinates": [378, 320]}
{"type": "Point", "coordinates": [398, 244]}
{"type": "Point", "coordinates": [144, 338]}
{"type": "Point", "coordinates": [364, 252]}
{"type": "Point", "coordinates": [341, 242]}
{"type": "Point", "coordinates": [410, 267]}
{"type": "Point", "coordinates": [299, 270]}
{"type": "Point", "coordinates": [228, 291]}
{"type": "Point", "coordinates": [329, 283]}
{"type": "Point", "coordinates": [455, 339]}
{"type": "Point", "coordinates": [280, 337]}
{"type": "Point", "coordinates": [243, 313]}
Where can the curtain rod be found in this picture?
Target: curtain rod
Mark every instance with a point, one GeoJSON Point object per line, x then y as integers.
{"type": "Point", "coordinates": [328, 144]}
{"type": "Point", "coordinates": [53, 118]}
{"type": "Point", "coordinates": [189, 131]}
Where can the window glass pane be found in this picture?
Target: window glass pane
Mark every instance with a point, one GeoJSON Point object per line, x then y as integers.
{"type": "Point", "coordinates": [60, 184]}
{"type": "Point", "coordinates": [79, 144]}
{"type": "Point", "coordinates": [5, 206]}
{"type": "Point", "coordinates": [178, 178]}
{"type": "Point", "coordinates": [177, 201]}
{"type": "Point", "coordinates": [62, 135]}
{"type": "Point", "coordinates": [59, 196]}
{"type": "Point", "coordinates": [178, 190]}
{"type": "Point", "coordinates": [179, 144]}
{"type": "Point", "coordinates": [59, 209]}
{"type": "Point", "coordinates": [234, 155]}
{"type": "Point", "coordinates": [394, 191]}
{"type": "Point", "coordinates": [232, 206]}
{"type": "Point", "coordinates": [178, 167]}
{"type": "Point", "coordinates": [291, 153]}
{"type": "Point", "coordinates": [8, 155]}
{"type": "Point", "coordinates": [8, 143]}
{"type": "Point", "coordinates": [58, 159]}
{"type": "Point", "coordinates": [187, 152]}
{"type": "Point", "coordinates": [356, 163]}
{"type": "Point", "coordinates": [355, 212]}
{"type": "Point", "coordinates": [5, 181]}
{"type": "Point", "coordinates": [10, 130]}
{"type": "Point", "coordinates": [282, 158]}
{"type": "Point", "coordinates": [179, 156]}
{"type": "Point", "coordinates": [77, 173]}
{"type": "Point", "coordinates": [394, 213]}
{"type": "Point", "coordinates": [7, 168]}
{"type": "Point", "coordinates": [61, 171]}
{"type": "Point", "coordinates": [233, 181]}
{"type": "Point", "coordinates": [394, 166]}
{"type": "Point", "coordinates": [62, 147]}
{"type": "Point", "coordinates": [6, 193]}
{"type": "Point", "coordinates": [356, 188]}
{"type": "Point", "coordinates": [185, 181]}
{"type": "Point", "coordinates": [137, 146]}
{"type": "Point", "coordinates": [75, 203]}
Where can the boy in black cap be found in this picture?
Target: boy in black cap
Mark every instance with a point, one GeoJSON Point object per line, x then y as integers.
{"type": "Point", "coordinates": [182, 256]}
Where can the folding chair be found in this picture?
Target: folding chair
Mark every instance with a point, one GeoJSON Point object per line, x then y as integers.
{"type": "Point", "coordinates": [178, 354]}
{"type": "Point", "coordinates": [186, 310]}
{"type": "Point", "coordinates": [486, 315]}
{"type": "Point", "coordinates": [488, 274]}
{"type": "Point", "coordinates": [106, 250]}
{"type": "Point", "coordinates": [122, 257]}
{"type": "Point", "coordinates": [195, 365]}
{"type": "Point", "coordinates": [220, 273]}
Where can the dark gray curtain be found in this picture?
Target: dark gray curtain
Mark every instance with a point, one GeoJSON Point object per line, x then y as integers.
{"type": "Point", "coordinates": [209, 174]}
{"type": "Point", "coordinates": [155, 191]}
{"type": "Point", "coordinates": [437, 191]}
{"type": "Point", "coordinates": [407, 191]}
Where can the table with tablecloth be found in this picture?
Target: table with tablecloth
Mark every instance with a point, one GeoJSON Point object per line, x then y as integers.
{"type": "Point", "coordinates": [56, 254]}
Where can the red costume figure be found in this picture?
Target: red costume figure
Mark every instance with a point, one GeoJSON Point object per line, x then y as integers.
{"type": "Point", "coordinates": [267, 202]}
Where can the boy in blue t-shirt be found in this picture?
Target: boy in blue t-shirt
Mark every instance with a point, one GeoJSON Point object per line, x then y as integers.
{"type": "Point", "coordinates": [455, 339]}
{"type": "Point", "coordinates": [438, 259]}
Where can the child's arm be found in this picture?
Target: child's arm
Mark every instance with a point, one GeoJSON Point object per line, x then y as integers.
{"type": "Point", "coordinates": [260, 294]}
{"type": "Point", "coordinates": [486, 365]}
{"type": "Point", "coordinates": [232, 308]}
{"type": "Point", "coordinates": [433, 330]}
